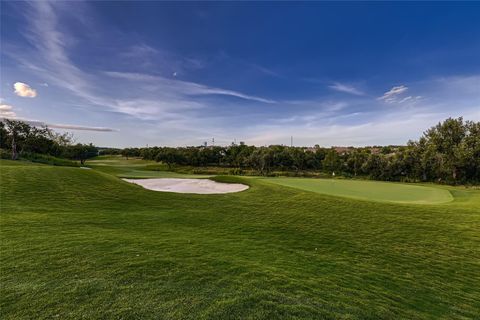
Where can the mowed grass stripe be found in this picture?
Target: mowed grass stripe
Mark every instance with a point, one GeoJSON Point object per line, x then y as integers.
{"type": "Point", "coordinates": [369, 190]}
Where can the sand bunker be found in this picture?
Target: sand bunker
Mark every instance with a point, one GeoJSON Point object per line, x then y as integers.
{"type": "Point", "coordinates": [200, 186]}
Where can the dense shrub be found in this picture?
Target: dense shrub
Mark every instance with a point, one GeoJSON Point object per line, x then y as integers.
{"type": "Point", "coordinates": [47, 159]}
{"type": "Point", "coordinates": [5, 154]}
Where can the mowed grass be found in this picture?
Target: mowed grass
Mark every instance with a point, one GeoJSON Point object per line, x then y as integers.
{"type": "Point", "coordinates": [369, 190]}
{"type": "Point", "coordinates": [84, 244]}
{"type": "Point", "coordinates": [135, 168]}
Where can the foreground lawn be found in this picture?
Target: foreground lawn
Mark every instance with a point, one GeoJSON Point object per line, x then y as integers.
{"type": "Point", "coordinates": [79, 243]}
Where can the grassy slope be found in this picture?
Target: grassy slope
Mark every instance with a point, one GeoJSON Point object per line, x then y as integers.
{"type": "Point", "coordinates": [83, 244]}
{"type": "Point", "coordinates": [369, 190]}
{"type": "Point", "coordinates": [134, 168]}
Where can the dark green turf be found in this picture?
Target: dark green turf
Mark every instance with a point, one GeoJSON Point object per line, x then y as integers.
{"type": "Point", "coordinates": [82, 244]}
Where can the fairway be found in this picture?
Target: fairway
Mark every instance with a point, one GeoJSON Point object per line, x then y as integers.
{"type": "Point", "coordinates": [369, 190]}
{"type": "Point", "coordinates": [85, 244]}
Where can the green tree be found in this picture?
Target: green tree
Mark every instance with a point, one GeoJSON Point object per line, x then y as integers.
{"type": "Point", "coordinates": [17, 131]}
{"type": "Point", "coordinates": [332, 162]}
{"type": "Point", "coordinates": [3, 136]}
{"type": "Point", "coordinates": [81, 152]}
{"type": "Point", "coordinates": [443, 144]}
{"type": "Point", "coordinates": [355, 161]}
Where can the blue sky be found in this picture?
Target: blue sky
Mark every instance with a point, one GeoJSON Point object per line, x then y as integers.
{"type": "Point", "coordinates": [158, 73]}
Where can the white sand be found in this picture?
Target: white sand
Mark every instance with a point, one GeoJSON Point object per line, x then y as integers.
{"type": "Point", "coordinates": [200, 186]}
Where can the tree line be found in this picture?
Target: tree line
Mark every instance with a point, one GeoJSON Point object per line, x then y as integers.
{"type": "Point", "coordinates": [446, 153]}
{"type": "Point", "coordinates": [21, 140]}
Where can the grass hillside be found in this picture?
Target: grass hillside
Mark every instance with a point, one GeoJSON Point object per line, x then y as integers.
{"type": "Point", "coordinates": [79, 243]}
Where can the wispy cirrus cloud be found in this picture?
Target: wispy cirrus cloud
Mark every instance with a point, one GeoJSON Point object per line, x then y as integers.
{"type": "Point", "coordinates": [314, 130]}
{"type": "Point", "coordinates": [146, 57]}
{"type": "Point", "coordinates": [410, 99]}
{"type": "Point", "coordinates": [392, 94]}
{"type": "Point", "coordinates": [155, 98]}
{"type": "Point", "coordinates": [140, 50]}
{"type": "Point", "coordinates": [373, 124]}
{"type": "Point", "coordinates": [183, 87]}
{"type": "Point", "coordinates": [346, 89]}
{"type": "Point", "coordinates": [72, 126]}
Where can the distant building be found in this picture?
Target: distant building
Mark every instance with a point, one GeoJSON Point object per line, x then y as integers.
{"type": "Point", "coordinates": [343, 150]}
{"type": "Point", "coordinates": [311, 149]}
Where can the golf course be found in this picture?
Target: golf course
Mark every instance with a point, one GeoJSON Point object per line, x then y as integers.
{"type": "Point", "coordinates": [84, 244]}
{"type": "Point", "coordinates": [239, 160]}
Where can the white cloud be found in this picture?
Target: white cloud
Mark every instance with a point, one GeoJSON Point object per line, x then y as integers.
{"type": "Point", "coordinates": [392, 94]}
{"type": "Point", "coordinates": [24, 90]}
{"type": "Point", "coordinates": [5, 107]}
{"type": "Point", "coordinates": [346, 88]}
{"type": "Point", "coordinates": [6, 111]}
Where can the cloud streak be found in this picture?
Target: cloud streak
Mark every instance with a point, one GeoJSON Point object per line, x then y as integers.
{"type": "Point", "coordinates": [410, 99]}
{"type": "Point", "coordinates": [183, 87]}
{"type": "Point", "coordinates": [346, 89]}
{"type": "Point", "coordinates": [37, 123]}
{"type": "Point", "coordinates": [78, 127]}
{"type": "Point", "coordinates": [392, 94]}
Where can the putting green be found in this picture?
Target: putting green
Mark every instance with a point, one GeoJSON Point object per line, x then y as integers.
{"type": "Point", "coordinates": [369, 190]}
